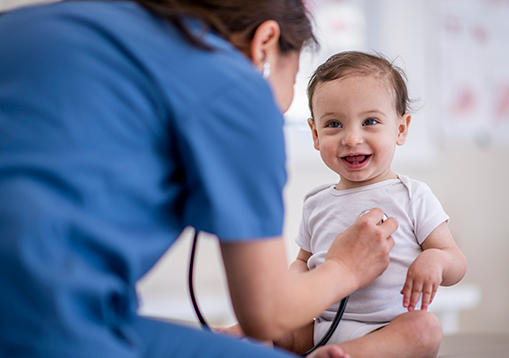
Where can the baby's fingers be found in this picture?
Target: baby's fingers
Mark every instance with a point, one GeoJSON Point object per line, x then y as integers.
{"type": "Point", "coordinates": [407, 293]}
{"type": "Point", "coordinates": [428, 294]}
{"type": "Point", "coordinates": [426, 297]}
{"type": "Point", "coordinates": [411, 293]}
{"type": "Point", "coordinates": [416, 294]}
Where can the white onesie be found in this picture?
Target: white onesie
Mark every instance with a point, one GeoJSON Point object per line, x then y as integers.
{"type": "Point", "coordinates": [328, 212]}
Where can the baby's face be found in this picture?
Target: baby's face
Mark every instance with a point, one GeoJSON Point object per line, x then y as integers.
{"type": "Point", "coordinates": [356, 128]}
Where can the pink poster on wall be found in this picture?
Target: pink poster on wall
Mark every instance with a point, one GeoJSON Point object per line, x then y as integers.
{"type": "Point", "coordinates": [474, 36]}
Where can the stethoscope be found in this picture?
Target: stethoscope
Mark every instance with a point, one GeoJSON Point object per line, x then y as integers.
{"type": "Point", "coordinates": [325, 338]}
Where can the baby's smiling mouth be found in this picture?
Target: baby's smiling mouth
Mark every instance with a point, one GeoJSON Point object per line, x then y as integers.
{"type": "Point", "coordinates": [356, 159]}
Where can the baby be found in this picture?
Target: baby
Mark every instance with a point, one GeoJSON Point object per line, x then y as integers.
{"type": "Point", "coordinates": [359, 107]}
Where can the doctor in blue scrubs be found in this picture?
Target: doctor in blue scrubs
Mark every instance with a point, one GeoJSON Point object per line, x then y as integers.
{"type": "Point", "coordinates": [122, 123]}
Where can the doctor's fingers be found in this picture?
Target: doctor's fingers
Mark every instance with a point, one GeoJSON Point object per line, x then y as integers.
{"type": "Point", "coordinates": [375, 232]}
{"type": "Point", "coordinates": [376, 217]}
{"type": "Point", "coordinates": [389, 226]}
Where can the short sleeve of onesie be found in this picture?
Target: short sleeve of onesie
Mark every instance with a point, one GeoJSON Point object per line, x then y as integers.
{"type": "Point", "coordinates": [425, 210]}
{"type": "Point", "coordinates": [305, 234]}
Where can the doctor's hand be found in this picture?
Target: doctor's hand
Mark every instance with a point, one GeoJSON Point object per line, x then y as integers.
{"type": "Point", "coordinates": [363, 249]}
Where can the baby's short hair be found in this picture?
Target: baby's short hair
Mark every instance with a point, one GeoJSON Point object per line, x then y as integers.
{"type": "Point", "coordinates": [360, 63]}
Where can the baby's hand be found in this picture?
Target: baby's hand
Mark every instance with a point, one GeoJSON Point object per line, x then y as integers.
{"type": "Point", "coordinates": [234, 330]}
{"type": "Point", "coordinates": [423, 278]}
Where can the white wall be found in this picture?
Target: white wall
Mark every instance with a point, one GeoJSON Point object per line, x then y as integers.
{"type": "Point", "coordinates": [12, 4]}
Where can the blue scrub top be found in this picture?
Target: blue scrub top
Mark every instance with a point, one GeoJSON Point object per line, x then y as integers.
{"type": "Point", "coordinates": [115, 134]}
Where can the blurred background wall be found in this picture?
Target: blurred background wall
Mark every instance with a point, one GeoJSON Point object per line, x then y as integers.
{"type": "Point", "coordinates": [456, 58]}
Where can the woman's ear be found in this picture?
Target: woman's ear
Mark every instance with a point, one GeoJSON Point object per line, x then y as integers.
{"type": "Point", "coordinates": [265, 43]}
{"type": "Point", "coordinates": [403, 128]}
{"type": "Point", "coordinates": [314, 132]}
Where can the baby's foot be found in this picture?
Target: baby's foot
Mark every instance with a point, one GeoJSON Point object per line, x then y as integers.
{"type": "Point", "coordinates": [329, 351]}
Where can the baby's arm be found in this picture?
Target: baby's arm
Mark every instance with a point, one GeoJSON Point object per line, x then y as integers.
{"type": "Point", "coordinates": [301, 262]}
{"type": "Point", "coordinates": [440, 264]}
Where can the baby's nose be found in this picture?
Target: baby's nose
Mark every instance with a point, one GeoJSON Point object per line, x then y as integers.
{"type": "Point", "coordinates": [352, 138]}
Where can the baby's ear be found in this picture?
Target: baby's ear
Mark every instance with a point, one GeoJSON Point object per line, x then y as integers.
{"type": "Point", "coordinates": [314, 132]}
{"type": "Point", "coordinates": [403, 128]}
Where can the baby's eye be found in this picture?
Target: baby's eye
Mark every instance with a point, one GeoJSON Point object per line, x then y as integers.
{"type": "Point", "coordinates": [334, 124]}
{"type": "Point", "coordinates": [370, 122]}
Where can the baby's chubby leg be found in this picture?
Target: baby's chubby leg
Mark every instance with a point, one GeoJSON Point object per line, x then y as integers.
{"type": "Point", "coordinates": [298, 341]}
{"type": "Point", "coordinates": [301, 341]}
{"type": "Point", "coordinates": [415, 334]}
